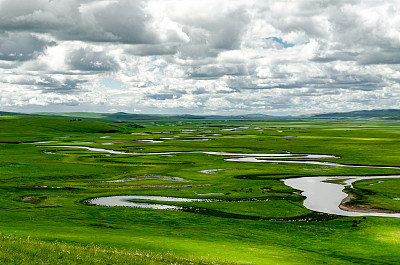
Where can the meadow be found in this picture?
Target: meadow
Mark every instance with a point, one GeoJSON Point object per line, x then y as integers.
{"type": "Point", "coordinates": [250, 216]}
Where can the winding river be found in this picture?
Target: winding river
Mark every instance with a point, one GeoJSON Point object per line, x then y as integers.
{"type": "Point", "coordinates": [320, 196]}
{"type": "Point", "coordinates": [326, 197]}
{"type": "Point", "coordinates": [241, 157]}
{"type": "Point", "coordinates": [125, 201]}
{"type": "Point", "coordinates": [256, 155]}
{"type": "Point", "coordinates": [266, 160]}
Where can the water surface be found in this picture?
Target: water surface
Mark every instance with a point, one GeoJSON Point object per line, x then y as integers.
{"type": "Point", "coordinates": [326, 197]}
{"type": "Point", "coordinates": [256, 155]}
{"type": "Point", "coordinates": [124, 201]}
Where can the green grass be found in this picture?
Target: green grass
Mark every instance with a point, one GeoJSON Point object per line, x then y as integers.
{"type": "Point", "coordinates": [377, 194]}
{"type": "Point", "coordinates": [43, 192]}
{"type": "Point", "coordinates": [15, 250]}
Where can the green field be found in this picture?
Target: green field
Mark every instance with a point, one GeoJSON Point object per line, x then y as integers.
{"type": "Point", "coordinates": [252, 218]}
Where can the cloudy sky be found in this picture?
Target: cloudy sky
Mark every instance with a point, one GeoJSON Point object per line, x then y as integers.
{"type": "Point", "coordinates": [199, 57]}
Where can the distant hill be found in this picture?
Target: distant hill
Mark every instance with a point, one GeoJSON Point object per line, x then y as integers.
{"type": "Point", "coordinates": [128, 117]}
{"type": "Point", "coordinates": [25, 128]}
{"type": "Point", "coordinates": [382, 114]}
{"type": "Point", "coordinates": [5, 113]}
{"type": "Point", "coordinates": [387, 114]}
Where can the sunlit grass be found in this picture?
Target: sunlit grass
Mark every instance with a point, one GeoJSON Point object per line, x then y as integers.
{"type": "Point", "coordinates": [16, 250]}
{"type": "Point", "coordinates": [257, 219]}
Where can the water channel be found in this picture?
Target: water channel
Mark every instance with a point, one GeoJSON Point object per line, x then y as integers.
{"type": "Point", "coordinates": [320, 195]}
{"type": "Point", "coordinates": [326, 197]}
{"type": "Point", "coordinates": [125, 201]}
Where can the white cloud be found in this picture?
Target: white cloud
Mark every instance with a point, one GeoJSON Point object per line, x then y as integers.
{"type": "Point", "coordinates": [274, 57]}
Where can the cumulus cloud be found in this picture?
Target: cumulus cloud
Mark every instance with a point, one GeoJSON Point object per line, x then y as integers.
{"type": "Point", "coordinates": [217, 71]}
{"type": "Point", "coordinates": [120, 21]}
{"type": "Point", "coordinates": [48, 84]}
{"type": "Point", "coordinates": [125, 21]}
{"type": "Point", "coordinates": [161, 96]}
{"type": "Point", "coordinates": [22, 47]}
{"type": "Point", "coordinates": [274, 57]}
{"type": "Point", "coordinates": [89, 60]}
{"type": "Point", "coordinates": [153, 49]}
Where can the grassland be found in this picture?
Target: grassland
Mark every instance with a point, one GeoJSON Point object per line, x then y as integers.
{"type": "Point", "coordinates": [257, 219]}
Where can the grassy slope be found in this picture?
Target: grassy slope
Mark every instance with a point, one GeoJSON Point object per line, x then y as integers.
{"type": "Point", "coordinates": [14, 250]}
{"type": "Point", "coordinates": [382, 113]}
{"type": "Point", "coordinates": [230, 230]}
{"type": "Point", "coordinates": [16, 129]}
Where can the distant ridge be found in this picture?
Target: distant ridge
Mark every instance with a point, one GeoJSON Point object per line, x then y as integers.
{"type": "Point", "coordinates": [382, 113]}
{"type": "Point", "coordinates": [6, 113]}
{"type": "Point", "coordinates": [387, 114]}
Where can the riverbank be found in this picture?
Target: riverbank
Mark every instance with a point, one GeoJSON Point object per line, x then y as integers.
{"type": "Point", "coordinates": [345, 207]}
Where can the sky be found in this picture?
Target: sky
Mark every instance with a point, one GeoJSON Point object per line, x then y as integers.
{"type": "Point", "coordinates": [199, 57]}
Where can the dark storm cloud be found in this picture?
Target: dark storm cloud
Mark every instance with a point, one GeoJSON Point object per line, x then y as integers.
{"type": "Point", "coordinates": [38, 15]}
{"type": "Point", "coordinates": [48, 84]}
{"type": "Point", "coordinates": [121, 21]}
{"type": "Point", "coordinates": [89, 60]}
{"type": "Point", "coordinates": [22, 47]}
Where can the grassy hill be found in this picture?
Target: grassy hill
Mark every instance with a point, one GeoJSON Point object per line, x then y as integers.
{"type": "Point", "coordinates": [25, 128]}
{"type": "Point", "coordinates": [382, 114]}
{"type": "Point", "coordinates": [389, 114]}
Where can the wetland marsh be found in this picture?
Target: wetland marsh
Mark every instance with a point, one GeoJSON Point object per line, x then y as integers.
{"type": "Point", "coordinates": [224, 181]}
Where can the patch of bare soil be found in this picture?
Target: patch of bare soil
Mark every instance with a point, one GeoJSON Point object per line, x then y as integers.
{"type": "Point", "coordinates": [29, 199]}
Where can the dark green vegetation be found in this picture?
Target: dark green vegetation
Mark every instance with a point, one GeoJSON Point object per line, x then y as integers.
{"type": "Point", "coordinates": [382, 114]}
{"type": "Point", "coordinates": [259, 220]}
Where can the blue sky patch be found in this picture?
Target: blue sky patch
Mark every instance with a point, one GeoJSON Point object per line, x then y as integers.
{"type": "Point", "coordinates": [112, 83]}
{"type": "Point", "coordinates": [279, 40]}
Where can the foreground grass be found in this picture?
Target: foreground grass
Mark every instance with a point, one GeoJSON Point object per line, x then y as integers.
{"type": "Point", "coordinates": [16, 250]}
{"type": "Point", "coordinates": [255, 219]}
